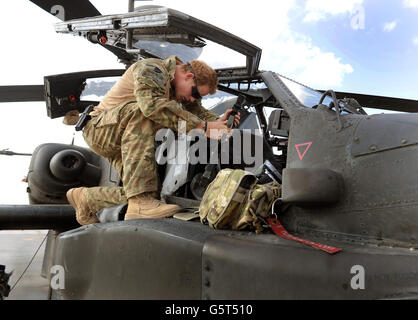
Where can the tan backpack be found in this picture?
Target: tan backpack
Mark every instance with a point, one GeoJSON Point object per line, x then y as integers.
{"type": "Point", "coordinates": [234, 201]}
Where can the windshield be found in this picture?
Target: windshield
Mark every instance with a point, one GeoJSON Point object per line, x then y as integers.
{"type": "Point", "coordinates": [214, 54]}
{"type": "Point", "coordinates": [96, 88]}
{"type": "Point", "coordinates": [165, 49]}
{"type": "Point", "coordinates": [307, 96]}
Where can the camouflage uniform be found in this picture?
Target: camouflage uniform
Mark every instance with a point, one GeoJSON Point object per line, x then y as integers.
{"type": "Point", "coordinates": [125, 133]}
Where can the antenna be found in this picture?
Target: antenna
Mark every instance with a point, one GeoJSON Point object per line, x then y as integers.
{"type": "Point", "coordinates": [131, 4]}
{"type": "Point", "coordinates": [129, 32]}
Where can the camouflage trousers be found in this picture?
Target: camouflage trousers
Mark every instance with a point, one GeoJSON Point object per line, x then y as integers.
{"type": "Point", "coordinates": [125, 137]}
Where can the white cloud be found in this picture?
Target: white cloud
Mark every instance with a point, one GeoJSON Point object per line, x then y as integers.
{"type": "Point", "coordinates": [284, 50]}
{"type": "Point", "coordinates": [390, 26]}
{"type": "Point", "coordinates": [317, 10]}
{"type": "Point", "coordinates": [415, 41]}
{"type": "Point", "coordinates": [298, 58]}
{"type": "Point", "coordinates": [410, 3]}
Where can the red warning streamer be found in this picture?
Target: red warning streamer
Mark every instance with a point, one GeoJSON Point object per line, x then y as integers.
{"type": "Point", "coordinates": [282, 233]}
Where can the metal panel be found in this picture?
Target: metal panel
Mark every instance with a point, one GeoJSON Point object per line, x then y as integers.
{"type": "Point", "coordinates": [312, 186]}
{"type": "Point", "coordinates": [174, 259]}
{"type": "Point", "coordinates": [381, 132]}
{"type": "Point", "coordinates": [142, 259]}
{"type": "Point", "coordinates": [267, 267]}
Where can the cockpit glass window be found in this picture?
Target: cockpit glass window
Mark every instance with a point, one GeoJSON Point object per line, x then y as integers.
{"type": "Point", "coordinates": [166, 49]}
{"type": "Point", "coordinates": [305, 95]}
{"type": "Point", "coordinates": [219, 56]}
{"type": "Point", "coordinates": [216, 55]}
{"type": "Point", "coordinates": [96, 88]}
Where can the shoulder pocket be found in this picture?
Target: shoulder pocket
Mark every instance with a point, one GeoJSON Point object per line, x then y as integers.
{"type": "Point", "coordinates": [152, 76]}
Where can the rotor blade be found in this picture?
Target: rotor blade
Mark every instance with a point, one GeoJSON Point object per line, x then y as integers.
{"type": "Point", "coordinates": [22, 93]}
{"type": "Point", "coordinates": [380, 102]}
{"type": "Point", "coordinates": [6, 152]}
{"type": "Point", "coordinates": [68, 9]}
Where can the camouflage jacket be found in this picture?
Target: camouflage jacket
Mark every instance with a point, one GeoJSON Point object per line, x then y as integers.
{"type": "Point", "coordinates": [149, 83]}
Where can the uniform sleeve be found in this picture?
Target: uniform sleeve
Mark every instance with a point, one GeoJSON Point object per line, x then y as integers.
{"type": "Point", "coordinates": [197, 109]}
{"type": "Point", "coordinates": [151, 85]}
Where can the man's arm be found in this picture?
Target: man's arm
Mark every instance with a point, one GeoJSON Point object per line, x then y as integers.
{"type": "Point", "coordinates": [197, 109]}
{"type": "Point", "coordinates": [151, 85]}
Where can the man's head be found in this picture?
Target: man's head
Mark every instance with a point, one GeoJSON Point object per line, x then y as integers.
{"type": "Point", "coordinates": [194, 79]}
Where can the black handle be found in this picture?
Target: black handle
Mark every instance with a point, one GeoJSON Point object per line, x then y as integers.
{"type": "Point", "coordinates": [235, 109]}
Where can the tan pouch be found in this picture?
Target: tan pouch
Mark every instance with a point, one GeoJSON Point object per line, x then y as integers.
{"type": "Point", "coordinates": [225, 198]}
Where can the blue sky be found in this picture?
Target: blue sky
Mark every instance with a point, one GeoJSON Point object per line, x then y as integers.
{"type": "Point", "coordinates": [384, 60]}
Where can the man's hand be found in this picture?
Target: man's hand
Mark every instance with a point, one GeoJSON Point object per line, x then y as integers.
{"type": "Point", "coordinates": [226, 116]}
{"type": "Point", "coordinates": [216, 129]}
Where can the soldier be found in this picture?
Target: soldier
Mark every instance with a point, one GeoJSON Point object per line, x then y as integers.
{"type": "Point", "coordinates": [152, 94]}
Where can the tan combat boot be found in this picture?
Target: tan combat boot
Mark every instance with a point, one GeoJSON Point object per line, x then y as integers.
{"type": "Point", "coordinates": [145, 206]}
{"type": "Point", "coordinates": [76, 197]}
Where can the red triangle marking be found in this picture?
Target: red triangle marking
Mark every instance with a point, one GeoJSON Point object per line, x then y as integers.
{"type": "Point", "coordinates": [308, 144]}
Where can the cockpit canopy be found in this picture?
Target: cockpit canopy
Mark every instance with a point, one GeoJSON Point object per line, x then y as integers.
{"type": "Point", "coordinates": [154, 31]}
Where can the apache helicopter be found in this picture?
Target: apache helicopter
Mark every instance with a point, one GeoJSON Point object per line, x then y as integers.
{"type": "Point", "coordinates": [348, 180]}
